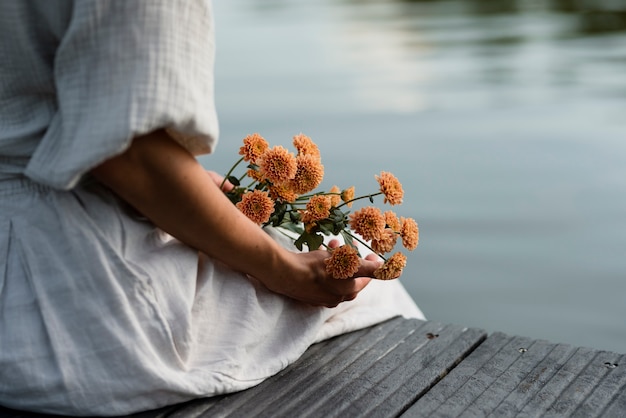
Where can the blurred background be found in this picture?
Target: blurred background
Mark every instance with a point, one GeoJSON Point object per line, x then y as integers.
{"type": "Point", "coordinates": [504, 120]}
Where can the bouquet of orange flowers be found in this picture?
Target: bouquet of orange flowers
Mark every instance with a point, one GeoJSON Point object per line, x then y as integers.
{"type": "Point", "coordinates": [280, 192]}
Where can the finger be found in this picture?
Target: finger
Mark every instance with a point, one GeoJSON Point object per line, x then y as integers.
{"type": "Point", "coordinates": [360, 283]}
{"type": "Point", "coordinates": [349, 288]}
{"type": "Point", "coordinates": [334, 243]}
{"type": "Point", "coordinates": [336, 300]}
{"type": "Point", "coordinates": [372, 257]}
{"type": "Point", "coordinates": [350, 297]}
{"type": "Point", "coordinates": [368, 266]}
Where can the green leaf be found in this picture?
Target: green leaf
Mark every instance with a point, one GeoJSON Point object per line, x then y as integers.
{"type": "Point", "coordinates": [313, 241]}
{"type": "Point", "coordinates": [339, 221]}
{"type": "Point", "coordinates": [278, 215]}
{"type": "Point", "coordinates": [234, 180]}
{"type": "Point", "coordinates": [326, 228]}
{"type": "Point", "coordinates": [299, 242]}
{"type": "Point", "coordinates": [235, 194]}
{"type": "Point", "coordinates": [294, 216]}
{"type": "Point", "coordinates": [339, 215]}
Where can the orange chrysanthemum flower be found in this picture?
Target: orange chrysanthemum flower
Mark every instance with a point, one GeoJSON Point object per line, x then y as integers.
{"type": "Point", "coordinates": [255, 175]}
{"type": "Point", "coordinates": [309, 174]}
{"type": "Point", "coordinates": [254, 146]}
{"type": "Point", "coordinates": [305, 146]}
{"type": "Point", "coordinates": [257, 206]}
{"type": "Point", "coordinates": [335, 196]}
{"type": "Point", "coordinates": [282, 192]}
{"type": "Point", "coordinates": [392, 221]}
{"type": "Point", "coordinates": [410, 233]}
{"type": "Point", "coordinates": [347, 195]}
{"type": "Point", "coordinates": [386, 242]}
{"type": "Point", "coordinates": [343, 263]}
{"type": "Point", "coordinates": [390, 187]}
{"type": "Point", "coordinates": [392, 268]}
{"type": "Point", "coordinates": [277, 165]}
{"type": "Point", "coordinates": [317, 208]}
{"type": "Point", "coordinates": [368, 222]}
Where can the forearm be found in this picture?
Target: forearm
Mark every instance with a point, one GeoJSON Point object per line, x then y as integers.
{"type": "Point", "coordinates": [166, 184]}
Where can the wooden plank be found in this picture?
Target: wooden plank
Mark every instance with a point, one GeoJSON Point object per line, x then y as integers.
{"type": "Point", "coordinates": [294, 381]}
{"type": "Point", "coordinates": [353, 374]}
{"type": "Point", "coordinates": [418, 372]}
{"type": "Point", "coordinates": [392, 381]}
{"type": "Point", "coordinates": [516, 376]}
{"type": "Point", "coordinates": [336, 376]}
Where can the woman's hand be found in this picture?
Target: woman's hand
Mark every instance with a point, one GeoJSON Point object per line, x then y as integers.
{"type": "Point", "coordinates": [163, 181]}
{"type": "Point", "coordinates": [308, 281]}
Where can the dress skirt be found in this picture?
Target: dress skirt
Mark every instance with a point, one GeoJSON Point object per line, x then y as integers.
{"type": "Point", "coordinates": [102, 313]}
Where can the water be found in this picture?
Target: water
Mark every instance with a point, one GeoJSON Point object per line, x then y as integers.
{"type": "Point", "coordinates": [504, 120]}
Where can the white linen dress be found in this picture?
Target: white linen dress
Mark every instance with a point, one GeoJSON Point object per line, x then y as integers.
{"type": "Point", "coordinates": [101, 313]}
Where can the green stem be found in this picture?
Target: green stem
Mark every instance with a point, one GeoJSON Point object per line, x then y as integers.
{"type": "Point", "coordinates": [308, 196]}
{"type": "Point", "coordinates": [365, 244]}
{"type": "Point", "coordinates": [230, 172]}
{"type": "Point", "coordinates": [292, 204]}
{"type": "Point", "coordinates": [360, 197]}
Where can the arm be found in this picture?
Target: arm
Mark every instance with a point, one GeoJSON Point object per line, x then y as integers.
{"type": "Point", "coordinates": [167, 184]}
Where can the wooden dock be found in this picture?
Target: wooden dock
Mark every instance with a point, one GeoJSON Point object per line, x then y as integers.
{"type": "Point", "coordinates": [412, 368]}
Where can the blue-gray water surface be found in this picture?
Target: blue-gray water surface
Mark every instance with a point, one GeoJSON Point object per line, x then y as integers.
{"type": "Point", "coordinates": [504, 120]}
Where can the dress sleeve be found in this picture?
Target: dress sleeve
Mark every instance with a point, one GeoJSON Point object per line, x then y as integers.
{"type": "Point", "coordinates": [122, 69]}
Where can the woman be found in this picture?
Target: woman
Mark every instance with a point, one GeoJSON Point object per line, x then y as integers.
{"type": "Point", "coordinates": [103, 106]}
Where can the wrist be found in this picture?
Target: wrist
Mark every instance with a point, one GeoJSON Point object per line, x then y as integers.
{"type": "Point", "coordinates": [286, 272]}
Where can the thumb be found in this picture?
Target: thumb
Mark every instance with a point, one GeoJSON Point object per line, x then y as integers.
{"type": "Point", "coordinates": [368, 266]}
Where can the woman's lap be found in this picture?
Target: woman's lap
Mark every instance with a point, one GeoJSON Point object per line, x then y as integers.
{"type": "Point", "coordinates": [100, 311]}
